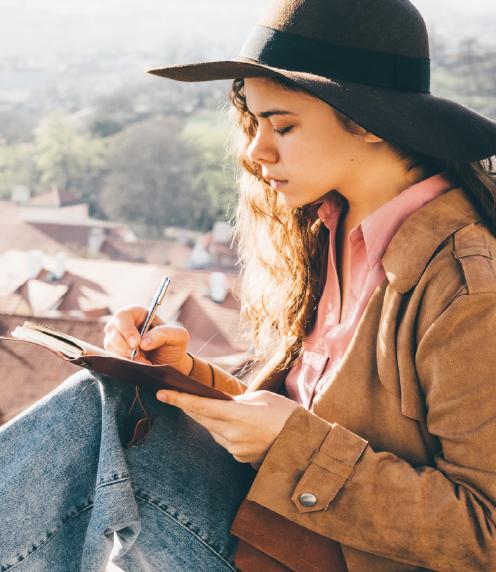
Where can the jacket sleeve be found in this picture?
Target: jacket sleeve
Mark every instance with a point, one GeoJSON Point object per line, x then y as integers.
{"type": "Point", "coordinates": [440, 517]}
{"type": "Point", "coordinates": [214, 376]}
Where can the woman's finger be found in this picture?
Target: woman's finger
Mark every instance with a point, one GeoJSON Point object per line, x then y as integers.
{"type": "Point", "coordinates": [115, 340]}
{"type": "Point", "coordinates": [165, 335]}
{"type": "Point", "coordinates": [140, 356]}
{"type": "Point", "coordinates": [217, 426]}
{"type": "Point", "coordinates": [115, 351]}
{"type": "Point", "coordinates": [205, 406]}
{"type": "Point", "coordinates": [128, 319]}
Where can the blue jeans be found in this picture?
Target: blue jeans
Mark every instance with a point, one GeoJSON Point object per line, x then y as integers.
{"type": "Point", "coordinates": [68, 484]}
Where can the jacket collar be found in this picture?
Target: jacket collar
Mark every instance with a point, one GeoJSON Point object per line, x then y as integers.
{"type": "Point", "coordinates": [418, 238]}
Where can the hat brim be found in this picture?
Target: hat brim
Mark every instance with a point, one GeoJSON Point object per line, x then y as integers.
{"type": "Point", "coordinates": [421, 122]}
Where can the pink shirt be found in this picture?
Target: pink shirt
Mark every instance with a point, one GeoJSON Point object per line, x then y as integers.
{"type": "Point", "coordinates": [331, 334]}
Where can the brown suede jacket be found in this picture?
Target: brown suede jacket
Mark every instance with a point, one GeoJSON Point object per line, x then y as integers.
{"type": "Point", "coordinates": [400, 448]}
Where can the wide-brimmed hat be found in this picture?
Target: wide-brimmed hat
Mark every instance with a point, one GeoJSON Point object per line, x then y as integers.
{"type": "Point", "coordinates": [367, 58]}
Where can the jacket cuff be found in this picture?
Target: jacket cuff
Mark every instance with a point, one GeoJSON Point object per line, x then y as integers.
{"type": "Point", "coordinates": [214, 376]}
{"type": "Point", "coordinates": [311, 460]}
{"type": "Point", "coordinates": [201, 371]}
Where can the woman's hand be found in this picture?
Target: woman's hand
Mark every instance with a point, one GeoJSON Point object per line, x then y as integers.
{"type": "Point", "coordinates": [246, 426]}
{"type": "Point", "coordinates": [160, 345]}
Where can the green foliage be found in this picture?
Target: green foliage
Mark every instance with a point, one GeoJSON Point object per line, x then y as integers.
{"type": "Point", "coordinates": [208, 131]}
{"type": "Point", "coordinates": [468, 76]}
{"type": "Point", "coordinates": [105, 127]}
{"type": "Point", "coordinates": [16, 168]}
{"type": "Point", "coordinates": [16, 126]}
{"type": "Point", "coordinates": [67, 158]}
{"type": "Point", "coordinates": [151, 174]}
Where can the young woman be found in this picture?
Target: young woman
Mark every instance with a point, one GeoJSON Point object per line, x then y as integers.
{"type": "Point", "coordinates": [365, 439]}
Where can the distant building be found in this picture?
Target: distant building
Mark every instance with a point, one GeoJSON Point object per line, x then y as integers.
{"type": "Point", "coordinates": [57, 207]}
{"type": "Point", "coordinates": [59, 221]}
{"type": "Point", "coordinates": [20, 195]}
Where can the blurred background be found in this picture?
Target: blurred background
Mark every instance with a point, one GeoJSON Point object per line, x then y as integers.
{"type": "Point", "coordinates": [111, 178]}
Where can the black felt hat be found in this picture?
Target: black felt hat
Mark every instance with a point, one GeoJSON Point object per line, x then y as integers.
{"type": "Point", "coordinates": [368, 59]}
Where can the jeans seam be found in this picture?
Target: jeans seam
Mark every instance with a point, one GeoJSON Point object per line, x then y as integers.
{"type": "Point", "coordinates": [43, 543]}
{"type": "Point", "coordinates": [192, 532]}
{"type": "Point", "coordinates": [114, 482]}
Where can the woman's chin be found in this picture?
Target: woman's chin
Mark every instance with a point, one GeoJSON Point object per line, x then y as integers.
{"type": "Point", "coordinates": [291, 201]}
{"type": "Point", "coordinates": [292, 204]}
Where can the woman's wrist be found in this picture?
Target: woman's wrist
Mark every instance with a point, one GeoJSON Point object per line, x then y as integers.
{"type": "Point", "coordinates": [191, 366]}
{"type": "Point", "coordinates": [201, 371]}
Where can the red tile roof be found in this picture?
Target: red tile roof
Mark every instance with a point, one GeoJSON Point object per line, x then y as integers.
{"type": "Point", "coordinates": [55, 198]}
{"type": "Point", "coordinates": [147, 251]}
{"type": "Point", "coordinates": [20, 235]}
{"type": "Point", "coordinates": [28, 373]}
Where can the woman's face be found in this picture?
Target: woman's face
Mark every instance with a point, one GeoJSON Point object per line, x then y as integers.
{"type": "Point", "coordinates": [302, 150]}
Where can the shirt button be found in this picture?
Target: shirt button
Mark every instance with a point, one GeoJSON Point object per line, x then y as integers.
{"type": "Point", "coordinates": [308, 499]}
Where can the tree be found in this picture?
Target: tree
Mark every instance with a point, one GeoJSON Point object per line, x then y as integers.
{"type": "Point", "coordinates": [16, 168]}
{"type": "Point", "coordinates": [151, 175]}
{"type": "Point", "coordinates": [68, 159]}
{"type": "Point", "coordinates": [216, 181]}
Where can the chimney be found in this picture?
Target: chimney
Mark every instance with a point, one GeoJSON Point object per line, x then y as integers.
{"type": "Point", "coordinates": [59, 270]}
{"type": "Point", "coordinates": [20, 195]}
{"type": "Point", "coordinates": [34, 263]}
{"type": "Point", "coordinates": [222, 232]}
{"type": "Point", "coordinates": [217, 286]}
{"type": "Point", "coordinates": [96, 238]}
{"type": "Point", "coordinates": [199, 257]}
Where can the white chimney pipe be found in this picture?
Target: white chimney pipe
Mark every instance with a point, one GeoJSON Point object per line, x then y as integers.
{"type": "Point", "coordinates": [218, 287]}
{"type": "Point", "coordinates": [96, 238]}
{"type": "Point", "coordinates": [34, 263]}
{"type": "Point", "coordinates": [59, 269]}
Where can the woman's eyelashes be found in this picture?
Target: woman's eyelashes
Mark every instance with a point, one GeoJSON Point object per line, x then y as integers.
{"type": "Point", "coordinates": [283, 130]}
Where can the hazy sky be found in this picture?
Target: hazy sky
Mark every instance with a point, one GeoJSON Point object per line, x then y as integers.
{"type": "Point", "coordinates": [108, 6]}
{"type": "Point", "coordinates": [40, 27]}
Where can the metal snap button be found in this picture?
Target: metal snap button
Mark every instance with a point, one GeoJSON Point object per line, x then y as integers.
{"type": "Point", "coordinates": [308, 499]}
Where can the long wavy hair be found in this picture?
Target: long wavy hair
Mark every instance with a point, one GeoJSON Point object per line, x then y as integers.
{"type": "Point", "coordinates": [282, 250]}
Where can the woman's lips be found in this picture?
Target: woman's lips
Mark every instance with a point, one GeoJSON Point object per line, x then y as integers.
{"type": "Point", "coordinates": [276, 184]}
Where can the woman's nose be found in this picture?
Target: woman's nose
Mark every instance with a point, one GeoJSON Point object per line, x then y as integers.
{"type": "Point", "coordinates": [260, 150]}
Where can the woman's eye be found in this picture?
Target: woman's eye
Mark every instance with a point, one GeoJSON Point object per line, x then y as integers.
{"type": "Point", "coordinates": [284, 130]}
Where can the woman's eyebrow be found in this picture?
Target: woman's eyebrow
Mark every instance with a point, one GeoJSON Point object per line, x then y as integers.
{"type": "Point", "coordinates": [271, 112]}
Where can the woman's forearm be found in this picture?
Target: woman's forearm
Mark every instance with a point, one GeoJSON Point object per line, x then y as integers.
{"type": "Point", "coordinates": [214, 376]}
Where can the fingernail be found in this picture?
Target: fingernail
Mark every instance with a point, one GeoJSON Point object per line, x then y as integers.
{"type": "Point", "coordinates": [133, 342]}
{"type": "Point", "coordinates": [162, 396]}
{"type": "Point", "coordinates": [146, 340]}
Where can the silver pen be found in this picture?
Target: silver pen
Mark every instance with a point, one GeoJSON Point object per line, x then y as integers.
{"type": "Point", "coordinates": [157, 300]}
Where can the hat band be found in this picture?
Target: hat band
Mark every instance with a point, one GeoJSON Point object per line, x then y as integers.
{"type": "Point", "coordinates": [296, 53]}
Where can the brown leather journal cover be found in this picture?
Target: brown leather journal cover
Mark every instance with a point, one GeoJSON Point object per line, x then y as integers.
{"type": "Point", "coordinates": [148, 377]}
{"type": "Point", "coordinates": [264, 533]}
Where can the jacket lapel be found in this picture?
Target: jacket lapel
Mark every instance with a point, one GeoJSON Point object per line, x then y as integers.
{"type": "Point", "coordinates": [418, 238]}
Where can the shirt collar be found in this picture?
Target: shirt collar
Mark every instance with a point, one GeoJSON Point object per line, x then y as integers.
{"type": "Point", "coordinates": [381, 225]}
{"type": "Point", "coordinates": [330, 209]}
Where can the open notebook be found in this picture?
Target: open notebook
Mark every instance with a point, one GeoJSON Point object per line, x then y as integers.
{"type": "Point", "coordinates": [93, 358]}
